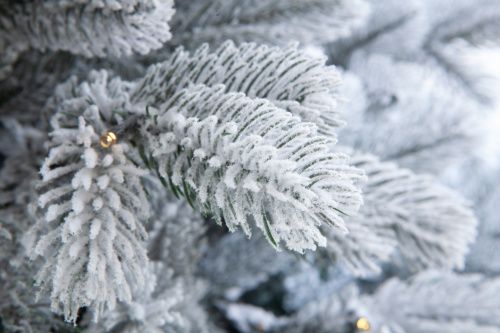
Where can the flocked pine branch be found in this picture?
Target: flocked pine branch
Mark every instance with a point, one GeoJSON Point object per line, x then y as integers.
{"type": "Point", "coordinates": [153, 306]}
{"type": "Point", "coordinates": [430, 301]}
{"type": "Point", "coordinates": [36, 74]}
{"type": "Point", "coordinates": [477, 179]}
{"type": "Point", "coordinates": [71, 100]}
{"type": "Point", "coordinates": [32, 81]}
{"type": "Point", "coordinates": [388, 97]}
{"type": "Point", "coordinates": [255, 269]}
{"type": "Point", "coordinates": [177, 237]}
{"type": "Point", "coordinates": [415, 37]}
{"type": "Point", "coordinates": [246, 156]}
{"type": "Point", "coordinates": [403, 30]}
{"type": "Point", "coordinates": [22, 152]}
{"type": "Point", "coordinates": [276, 22]}
{"type": "Point", "coordinates": [485, 30]}
{"type": "Point", "coordinates": [407, 215]}
{"type": "Point", "coordinates": [88, 28]}
{"type": "Point", "coordinates": [287, 77]}
{"type": "Point", "coordinates": [437, 302]}
{"type": "Point", "coordinates": [371, 241]}
{"type": "Point", "coordinates": [427, 33]}
{"type": "Point", "coordinates": [387, 17]}
{"type": "Point", "coordinates": [434, 225]}
{"type": "Point", "coordinates": [22, 149]}
{"type": "Point", "coordinates": [91, 202]}
{"type": "Point", "coordinates": [178, 240]}
{"type": "Point", "coordinates": [18, 310]}
{"type": "Point", "coordinates": [485, 254]}
{"type": "Point", "coordinates": [459, 30]}
{"type": "Point", "coordinates": [327, 173]}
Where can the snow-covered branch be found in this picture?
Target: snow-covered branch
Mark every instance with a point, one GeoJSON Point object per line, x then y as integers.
{"type": "Point", "coordinates": [276, 22]}
{"type": "Point", "coordinates": [91, 203]}
{"type": "Point", "coordinates": [406, 215]}
{"type": "Point", "coordinates": [286, 77]}
{"type": "Point", "coordinates": [246, 156]}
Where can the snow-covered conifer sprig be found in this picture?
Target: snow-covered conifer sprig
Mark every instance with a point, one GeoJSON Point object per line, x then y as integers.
{"type": "Point", "coordinates": [22, 147]}
{"type": "Point", "coordinates": [431, 302]}
{"type": "Point", "coordinates": [153, 306]}
{"type": "Point", "coordinates": [433, 225]}
{"type": "Point", "coordinates": [435, 302]}
{"type": "Point", "coordinates": [178, 232]}
{"type": "Point", "coordinates": [286, 77]}
{"type": "Point", "coordinates": [85, 27]}
{"type": "Point", "coordinates": [276, 23]}
{"type": "Point", "coordinates": [390, 96]}
{"type": "Point", "coordinates": [89, 210]}
{"type": "Point", "coordinates": [404, 215]}
{"type": "Point", "coordinates": [370, 242]}
{"type": "Point", "coordinates": [236, 156]}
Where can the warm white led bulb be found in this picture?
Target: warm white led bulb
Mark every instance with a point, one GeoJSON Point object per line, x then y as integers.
{"type": "Point", "coordinates": [362, 324]}
{"type": "Point", "coordinates": [108, 139]}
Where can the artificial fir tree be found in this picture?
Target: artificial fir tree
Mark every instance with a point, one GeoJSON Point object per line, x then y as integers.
{"type": "Point", "coordinates": [197, 167]}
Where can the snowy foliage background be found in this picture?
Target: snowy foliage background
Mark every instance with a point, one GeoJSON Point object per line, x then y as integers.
{"type": "Point", "coordinates": [280, 166]}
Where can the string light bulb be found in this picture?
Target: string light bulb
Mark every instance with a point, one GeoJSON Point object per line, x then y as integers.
{"type": "Point", "coordinates": [362, 324]}
{"type": "Point", "coordinates": [108, 139]}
